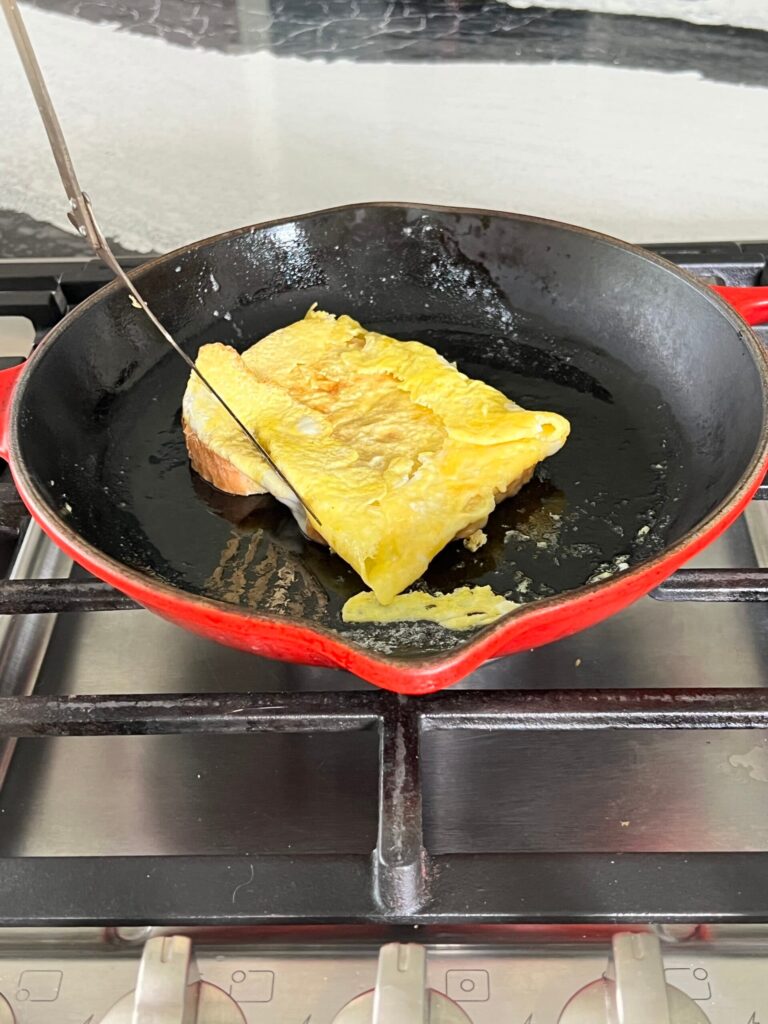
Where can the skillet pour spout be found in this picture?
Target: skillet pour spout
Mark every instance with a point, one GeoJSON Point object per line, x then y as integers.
{"type": "Point", "coordinates": [663, 381]}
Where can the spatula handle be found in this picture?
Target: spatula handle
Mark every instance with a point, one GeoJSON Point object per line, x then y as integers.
{"type": "Point", "coordinates": [79, 211]}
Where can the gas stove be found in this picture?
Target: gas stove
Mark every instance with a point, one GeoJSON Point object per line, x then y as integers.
{"type": "Point", "coordinates": [191, 834]}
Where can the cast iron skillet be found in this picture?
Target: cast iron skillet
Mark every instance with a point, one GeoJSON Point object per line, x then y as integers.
{"type": "Point", "coordinates": [664, 384]}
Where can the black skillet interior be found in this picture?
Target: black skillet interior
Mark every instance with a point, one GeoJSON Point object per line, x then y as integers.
{"type": "Point", "coordinates": [640, 362]}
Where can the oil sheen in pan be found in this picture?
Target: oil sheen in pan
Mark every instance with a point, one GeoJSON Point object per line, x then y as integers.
{"type": "Point", "coordinates": [605, 502]}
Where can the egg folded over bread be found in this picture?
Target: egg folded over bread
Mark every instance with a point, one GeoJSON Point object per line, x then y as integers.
{"type": "Point", "coordinates": [395, 450]}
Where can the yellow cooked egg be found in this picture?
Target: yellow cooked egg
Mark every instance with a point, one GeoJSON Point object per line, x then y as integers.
{"type": "Point", "coordinates": [465, 608]}
{"type": "Point", "coordinates": [394, 449]}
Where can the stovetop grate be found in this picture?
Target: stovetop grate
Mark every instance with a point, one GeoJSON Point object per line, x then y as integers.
{"type": "Point", "coordinates": [400, 881]}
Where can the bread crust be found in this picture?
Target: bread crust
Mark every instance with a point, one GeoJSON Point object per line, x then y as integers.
{"type": "Point", "coordinates": [217, 470]}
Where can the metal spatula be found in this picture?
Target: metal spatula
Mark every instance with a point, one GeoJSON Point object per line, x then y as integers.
{"type": "Point", "coordinates": [81, 215]}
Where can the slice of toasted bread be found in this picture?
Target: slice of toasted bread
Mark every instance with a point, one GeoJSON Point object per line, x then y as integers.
{"type": "Point", "coordinates": [217, 469]}
{"type": "Point", "coordinates": [395, 449]}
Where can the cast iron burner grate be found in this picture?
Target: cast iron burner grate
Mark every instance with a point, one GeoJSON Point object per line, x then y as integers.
{"type": "Point", "coordinates": [401, 882]}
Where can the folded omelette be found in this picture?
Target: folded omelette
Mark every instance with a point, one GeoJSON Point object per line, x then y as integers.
{"type": "Point", "coordinates": [395, 450]}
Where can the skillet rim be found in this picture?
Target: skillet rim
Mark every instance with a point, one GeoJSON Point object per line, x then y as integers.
{"type": "Point", "coordinates": [443, 662]}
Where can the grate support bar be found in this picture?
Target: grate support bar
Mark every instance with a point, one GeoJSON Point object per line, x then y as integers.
{"type": "Point", "coordinates": [546, 710]}
{"type": "Point", "coordinates": [715, 585]}
{"type": "Point", "coordinates": [164, 714]}
{"type": "Point", "coordinates": [400, 861]}
{"type": "Point", "coordinates": [22, 597]}
{"type": "Point", "coordinates": [536, 887]}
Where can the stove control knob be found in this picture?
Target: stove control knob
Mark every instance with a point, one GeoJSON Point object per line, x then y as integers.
{"type": "Point", "coordinates": [169, 991]}
{"type": "Point", "coordinates": [633, 990]}
{"type": "Point", "coordinates": [401, 993]}
{"type": "Point", "coordinates": [6, 1013]}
